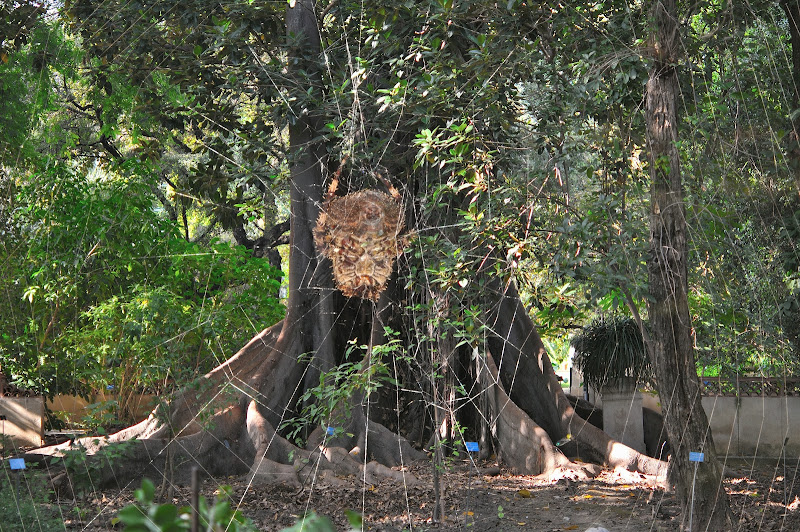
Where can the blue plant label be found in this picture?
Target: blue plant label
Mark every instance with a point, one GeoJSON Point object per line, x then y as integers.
{"type": "Point", "coordinates": [472, 446]}
{"type": "Point", "coordinates": [696, 457]}
{"type": "Point", "coordinates": [16, 463]}
{"type": "Point", "coordinates": [329, 431]}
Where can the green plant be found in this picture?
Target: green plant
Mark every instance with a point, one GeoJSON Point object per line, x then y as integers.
{"type": "Point", "coordinates": [319, 523]}
{"type": "Point", "coordinates": [81, 513]}
{"type": "Point", "coordinates": [83, 469]}
{"type": "Point", "coordinates": [89, 310]}
{"type": "Point", "coordinates": [329, 402]}
{"type": "Point", "coordinates": [76, 463]}
{"type": "Point", "coordinates": [148, 516]}
{"type": "Point", "coordinates": [101, 414]}
{"type": "Point", "coordinates": [610, 349]}
{"type": "Point", "coordinates": [24, 503]}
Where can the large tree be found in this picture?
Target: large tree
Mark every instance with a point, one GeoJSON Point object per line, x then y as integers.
{"type": "Point", "coordinates": [432, 100]}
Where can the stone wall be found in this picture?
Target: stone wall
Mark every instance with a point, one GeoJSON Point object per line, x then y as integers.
{"type": "Point", "coordinates": [72, 408]}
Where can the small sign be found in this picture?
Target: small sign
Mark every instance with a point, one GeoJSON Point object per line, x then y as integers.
{"type": "Point", "coordinates": [16, 464]}
{"type": "Point", "coordinates": [472, 446]}
{"type": "Point", "coordinates": [329, 431]}
{"type": "Point", "coordinates": [696, 457]}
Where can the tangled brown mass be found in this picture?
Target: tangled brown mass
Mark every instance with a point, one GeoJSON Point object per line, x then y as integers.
{"type": "Point", "coordinates": [361, 233]}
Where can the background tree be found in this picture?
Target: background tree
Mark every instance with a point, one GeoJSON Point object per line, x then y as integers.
{"type": "Point", "coordinates": [99, 288]}
{"type": "Point", "coordinates": [669, 341]}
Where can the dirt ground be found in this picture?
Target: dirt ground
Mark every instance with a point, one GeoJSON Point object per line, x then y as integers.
{"type": "Point", "coordinates": [765, 496]}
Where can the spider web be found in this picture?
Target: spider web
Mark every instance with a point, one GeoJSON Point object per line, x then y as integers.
{"type": "Point", "coordinates": [722, 249]}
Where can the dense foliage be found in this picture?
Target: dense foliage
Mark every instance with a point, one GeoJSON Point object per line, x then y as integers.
{"type": "Point", "coordinates": [104, 287]}
{"type": "Point", "coordinates": [141, 143]}
{"type": "Point", "coordinates": [102, 291]}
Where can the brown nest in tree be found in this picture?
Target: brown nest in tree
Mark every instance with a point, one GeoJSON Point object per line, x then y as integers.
{"type": "Point", "coordinates": [362, 234]}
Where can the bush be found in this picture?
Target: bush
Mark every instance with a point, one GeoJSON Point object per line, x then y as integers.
{"type": "Point", "coordinates": [124, 301]}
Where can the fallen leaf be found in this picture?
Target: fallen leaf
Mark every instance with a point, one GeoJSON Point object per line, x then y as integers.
{"type": "Point", "coordinates": [571, 527]}
{"type": "Point", "coordinates": [526, 494]}
{"type": "Point", "coordinates": [794, 505]}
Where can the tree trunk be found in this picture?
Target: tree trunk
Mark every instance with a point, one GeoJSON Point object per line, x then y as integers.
{"type": "Point", "coordinates": [309, 309]}
{"type": "Point", "coordinates": [527, 376]}
{"type": "Point", "coordinates": [231, 420]}
{"type": "Point", "coordinates": [670, 342]}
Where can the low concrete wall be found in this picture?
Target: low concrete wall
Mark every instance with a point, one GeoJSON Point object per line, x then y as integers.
{"type": "Point", "coordinates": [744, 425]}
{"type": "Point", "coordinates": [754, 426]}
{"type": "Point", "coordinates": [24, 423]}
{"type": "Point", "coordinates": [622, 414]}
{"type": "Point", "coordinates": [69, 407]}
{"type": "Point", "coordinates": [749, 426]}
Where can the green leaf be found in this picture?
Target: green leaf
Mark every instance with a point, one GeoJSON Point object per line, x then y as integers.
{"type": "Point", "coordinates": [165, 514]}
{"type": "Point", "coordinates": [132, 515]}
{"type": "Point", "coordinates": [146, 493]}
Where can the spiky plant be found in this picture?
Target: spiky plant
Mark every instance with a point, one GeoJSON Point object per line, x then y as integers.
{"type": "Point", "coordinates": [609, 349]}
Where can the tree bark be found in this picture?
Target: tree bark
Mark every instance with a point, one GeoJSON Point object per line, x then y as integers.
{"type": "Point", "coordinates": [527, 376]}
{"type": "Point", "coordinates": [670, 343]}
{"type": "Point", "coordinates": [309, 309]}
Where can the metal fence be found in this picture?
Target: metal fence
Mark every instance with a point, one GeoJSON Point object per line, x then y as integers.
{"type": "Point", "coordinates": [751, 386]}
